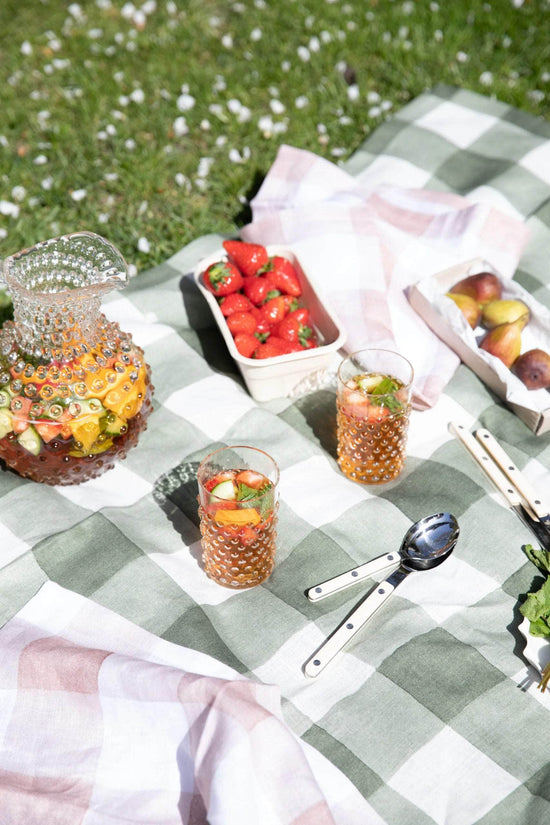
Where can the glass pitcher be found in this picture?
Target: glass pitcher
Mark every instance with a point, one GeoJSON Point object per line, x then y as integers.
{"type": "Point", "coordinates": [75, 391]}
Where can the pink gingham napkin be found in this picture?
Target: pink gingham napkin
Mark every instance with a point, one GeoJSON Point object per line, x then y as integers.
{"type": "Point", "coordinates": [103, 723]}
{"type": "Point", "coordinates": [364, 244]}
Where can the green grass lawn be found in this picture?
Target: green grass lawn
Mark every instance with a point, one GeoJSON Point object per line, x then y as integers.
{"type": "Point", "coordinates": [152, 123]}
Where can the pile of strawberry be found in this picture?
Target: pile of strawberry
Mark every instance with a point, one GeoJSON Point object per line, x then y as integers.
{"type": "Point", "coordinates": [258, 296]}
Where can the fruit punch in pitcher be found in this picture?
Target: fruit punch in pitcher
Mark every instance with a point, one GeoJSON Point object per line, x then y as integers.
{"type": "Point", "coordinates": [373, 409]}
{"type": "Point", "coordinates": [238, 515]}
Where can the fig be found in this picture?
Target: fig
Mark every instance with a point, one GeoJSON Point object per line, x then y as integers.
{"type": "Point", "coordinates": [482, 287]}
{"type": "Point", "coordinates": [533, 368]}
{"type": "Point", "coordinates": [503, 311]}
{"type": "Point", "coordinates": [504, 341]}
{"type": "Point", "coordinates": [468, 306]}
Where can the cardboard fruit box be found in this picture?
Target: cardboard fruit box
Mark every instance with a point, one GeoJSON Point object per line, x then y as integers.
{"type": "Point", "coordinates": [443, 316]}
{"type": "Point", "coordinates": [278, 377]}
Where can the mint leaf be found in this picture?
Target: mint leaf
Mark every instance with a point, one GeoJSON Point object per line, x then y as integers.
{"type": "Point", "coordinates": [386, 385]}
{"type": "Point", "coordinates": [246, 493]}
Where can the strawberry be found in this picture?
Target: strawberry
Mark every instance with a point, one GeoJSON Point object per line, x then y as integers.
{"type": "Point", "coordinates": [273, 347]}
{"type": "Point", "coordinates": [302, 314]}
{"type": "Point", "coordinates": [246, 344]}
{"type": "Point", "coordinates": [248, 257]}
{"type": "Point", "coordinates": [376, 413]}
{"type": "Point", "coordinates": [291, 329]}
{"type": "Point", "coordinates": [241, 322]}
{"type": "Point", "coordinates": [251, 479]}
{"type": "Point", "coordinates": [291, 303]}
{"type": "Point", "coordinates": [223, 475]}
{"type": "Point", "coordinates": [222, 278]}
{"type": "Point", "coordinates": [263, 326]}
{"type": "Point", "coordinates": [257, 289]}
{"type": "Point", "coordinates": [235, 302]}
{"type": "Point", "coordinates": [274, 309]}
{"type": "Point", "coordinates": [283, 275]}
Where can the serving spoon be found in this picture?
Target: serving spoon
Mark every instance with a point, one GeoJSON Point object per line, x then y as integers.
{"type": "Point", "coordinates": [426, 544]}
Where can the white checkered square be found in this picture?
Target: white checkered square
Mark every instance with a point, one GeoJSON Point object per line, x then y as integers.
{"type": "Point", "coordinates": [537, 161]}
{"type": "Point", "coordinates": [452, 781]}
{"type": "Point", "coordinates": [313, 697]}
{"type": "Point", "coordinates": [184, 567]}
{"type": "Point", "coordinates": [11, 547]}
{"type": "Point", "coordinates": [119, 487]}
{"type": "Point", "coordinates": [386, 170]}
{"type": "Point", "coordinates": [213, 404]}
{"type": "Point", "coordinates": [447, 589]}
{"type": "Point", "coordinates": [318, 493]}
{"type": "Point", "coordinates": [458, 125]}
{"type": "Point", "coordinates": [145, 329]}
{"type": "Point", "coordinates": [428, 430]}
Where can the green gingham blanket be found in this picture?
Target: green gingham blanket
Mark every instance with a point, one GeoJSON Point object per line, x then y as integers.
{"type": "Point", "coordinates": [432, 713]}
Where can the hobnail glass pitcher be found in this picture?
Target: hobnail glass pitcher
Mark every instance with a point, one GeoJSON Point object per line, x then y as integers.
{"type": "Point", "coordinates": [75, 391]}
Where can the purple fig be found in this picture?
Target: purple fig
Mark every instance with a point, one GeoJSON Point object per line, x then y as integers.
{"type": "Point", "coordinates": [533, 368]}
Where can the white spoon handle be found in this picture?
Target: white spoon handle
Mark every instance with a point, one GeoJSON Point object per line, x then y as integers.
{"type": "Point", "coordinates": [345, 631]}
{"type": "Point", "coordinates": [357, 574]}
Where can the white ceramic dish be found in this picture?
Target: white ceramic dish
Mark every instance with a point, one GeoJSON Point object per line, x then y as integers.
{"type": "Point", "coordinates": [537, 650]}
{"type": "Point", "coordinates": [277, 377]}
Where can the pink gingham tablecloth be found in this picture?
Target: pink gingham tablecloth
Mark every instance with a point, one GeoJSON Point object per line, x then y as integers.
{"type": "Point", "coordinates": [363, 244]}
{"type": "Point", "coordinates": [103, 723]}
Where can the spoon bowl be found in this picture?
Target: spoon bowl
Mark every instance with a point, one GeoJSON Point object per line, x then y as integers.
{"type": "Point", "coordinates": [429, 541]}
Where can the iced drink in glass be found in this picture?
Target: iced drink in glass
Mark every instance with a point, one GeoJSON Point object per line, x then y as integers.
{"type": "Point", "coordinates": [238, 515]}
{"type": "Point", "coordinates": [373, 409]}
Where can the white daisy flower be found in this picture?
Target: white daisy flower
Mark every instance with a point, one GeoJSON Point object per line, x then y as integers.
{"type": "Point", "coordinates": [9, 209]}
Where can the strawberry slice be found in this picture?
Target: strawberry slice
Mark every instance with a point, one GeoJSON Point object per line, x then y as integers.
{"type": "Point", "coordinates": [248, 257]}
{"type": "Point", "coordinates": [213, 481]}
{"type": "Point", "coordinates": [251, 479]}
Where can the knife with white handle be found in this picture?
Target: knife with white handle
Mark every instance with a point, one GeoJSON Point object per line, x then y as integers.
{"type": "Point", "coordinates": [357, 574]}
{"type": "Point", "coordinates": [514, 474]}
{"type": "Point", "coordinates": [502, 483]}
{"type": "Point", "coordinates": [484, 460]}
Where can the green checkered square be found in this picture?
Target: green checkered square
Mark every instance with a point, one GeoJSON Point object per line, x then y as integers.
{"type": "Point", "coordinates": [194, 629]}
{"type": "Point", "coordinates": [431, 668]}
{"type": "Point", "coordinates": [521, 806]}
{"type": "Point", "coordinates": [382, 725]}
{"type": "Point", "coordinates": [505, 141]}
{"type": "Point", "coordinates": [366, 780]}
{"type": "Point", "coordinates": [464, 171]}
{"type": "Point", "coordinates": [505, 724]}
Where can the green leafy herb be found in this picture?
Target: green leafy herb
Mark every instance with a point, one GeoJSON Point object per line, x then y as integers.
{"type": "Point", "coordinates": [540, 558]}
{"type": "Point", "coordinates": [536, 608]}
{"type": "Point", "coordinates": [385, 386]}
{"type": "Point", "coordinates": [246, 493]}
